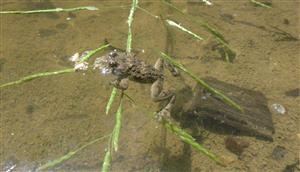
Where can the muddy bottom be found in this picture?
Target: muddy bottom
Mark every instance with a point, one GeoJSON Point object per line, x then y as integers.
{"type": "Point", "coordinates": [46, 118]}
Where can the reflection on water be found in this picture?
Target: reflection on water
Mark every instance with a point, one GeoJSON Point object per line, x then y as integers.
{"type": "Point", "coordinates": [46, 118]}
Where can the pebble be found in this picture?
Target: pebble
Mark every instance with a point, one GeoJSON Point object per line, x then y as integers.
{"type": "Point", "coordinates": [236, 145]}
{"type": "Point", "coordinates": [278, 109]}
{"type": "Point", "coordinates": [279, 152]}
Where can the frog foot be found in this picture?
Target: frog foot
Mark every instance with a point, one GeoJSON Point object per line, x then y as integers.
{"type": "Point", "coordinates": [165, 113]}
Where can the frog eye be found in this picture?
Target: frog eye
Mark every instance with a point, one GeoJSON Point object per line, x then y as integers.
{"type": "Point", "coordinates": [113, 54]}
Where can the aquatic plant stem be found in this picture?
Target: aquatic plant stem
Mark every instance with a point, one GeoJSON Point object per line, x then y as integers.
{"type": "Point", "coordinates": [69, 155]}
{"type": "Point", "coordinates": [215, 92]}
{"type": "Point", "coordinates": [172, 23]}
{"type": "Point", "coordinates": [129, 21]}
{"type": "Point", "coordinates": [37, 75]}
{"type": "Point", "coordinates": [45, 74]}
{"type": "Point", "coordinates": [113, 143]}
{"type": "Point", "coordinates": [118, 124]}
{"type": "Point", "coordinates": [260, 4]}
{"type": "Point", "coordinates": [91, 8]}
{"type": "Point", "coordinates": [187, 138]}
{"type": "Point", "coordinates": [91, 53]}
{"type": "Point", "coordinates": [229, 53]}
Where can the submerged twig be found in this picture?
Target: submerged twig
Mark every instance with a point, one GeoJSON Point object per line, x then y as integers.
{"type": "Point", "coordinates": [69, 155]}
{"type": "Point", "coordinates": [215, 92]}
{"type": "Point", "coordinates": [91, 8]}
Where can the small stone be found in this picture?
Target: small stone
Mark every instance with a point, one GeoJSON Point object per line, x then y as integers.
{"type": "Point", "coordinates": [228, 159]}
{"type": "Point", "coordinates": [236, 145]}
{"type": "Point", "coordinates": [278, 109]}
{"type": "Point", "coordinates": [279, 152]}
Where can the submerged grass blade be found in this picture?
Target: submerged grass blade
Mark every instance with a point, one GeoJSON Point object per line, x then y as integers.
{"type": "Point", "coordinates": [207, 2]}
{"type": "Point", "coordinates": [187, 138]}
{"type": "Point", "coordinates": [172, 23]}
{"type": "Point", "coordinates": [218, 36]}
{"type": "Point", "coordinates": [129, 21]}
{"type": "Point", "coordinates": [36, 76]}
{"type": "Point", "coordinates": [91, 53]}
{"type": "Point", "coordinates": [111, 100]}
{"type": "Point", "coordinates": [117, 128]}
{"type": "Point", "coordinates": [69, 155]}
{"type": "Point", "coordinates": [91, 8]}
{"type": "Point", "coordinates": [44, 74]}
{"type": "Point", "coordinates": [260, 4]}
{"type": "Point", "coordinates": [215, 92]}
{"type": "Point", "coordinates": [116, 132]}
{"type": "Point", "coordinates": [107, 161]}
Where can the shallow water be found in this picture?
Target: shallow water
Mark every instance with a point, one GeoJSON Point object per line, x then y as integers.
{"type": "Point", "coordinates": [46, 118]}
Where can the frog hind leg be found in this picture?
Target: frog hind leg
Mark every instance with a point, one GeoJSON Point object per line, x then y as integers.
{"type": "Point", "coordinates": [159, 94]}
{"type": "Point", "coordinates": [157, 91]}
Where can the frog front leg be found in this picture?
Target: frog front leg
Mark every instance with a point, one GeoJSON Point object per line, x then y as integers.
{"type": "Point", "coordinates": [120, 83]}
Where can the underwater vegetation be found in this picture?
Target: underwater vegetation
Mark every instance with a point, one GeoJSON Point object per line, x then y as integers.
{"type": "Point", "coordinates": [118, 94]}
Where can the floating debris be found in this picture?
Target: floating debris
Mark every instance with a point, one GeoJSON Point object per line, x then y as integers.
{"type": "Point", "coordinates": [74, 57]}
{"type": "Point", "coordinates": [278, 109]}
{"type": "Point", "coordinates": [79, 64]}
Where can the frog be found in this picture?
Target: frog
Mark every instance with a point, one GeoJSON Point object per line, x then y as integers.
{"type": "Point", "coordinates": [127, 66]}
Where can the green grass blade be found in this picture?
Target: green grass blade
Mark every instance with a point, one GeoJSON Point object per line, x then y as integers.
{"type": "Point", "coordinates": [187, 138]}
{"type": "Point", "coordinates": [117, 128]}
{"type": "Point", "coordinates": [107, 161]}
{"type": "Point", "coordinates": [91, 53]}
{"type": "Point", "coordinates": [45, 74]}
{"type": "Point", "coordinates": [129, 21]}
{"type": "Point", "coordinates": [260, 4]}
{"type": "Point", "coordinates": [91, 8]}
{"type": "Point", "coordinates": [111, 100]}
{"type": "Point", "coordinates": [215, 92]}
{"type": "Point", "coordinates": [172, 23]}
{"type": "Point", "coordinates": [116, 132]}
{"type": "Point", "coordinates": [36, 76]}
{"type": "Point", "coordinates": [218, 36]}
{"type": "Point", "coordinates": [69, 155]}
{"type": "Point", "coordinates": [207, 2]}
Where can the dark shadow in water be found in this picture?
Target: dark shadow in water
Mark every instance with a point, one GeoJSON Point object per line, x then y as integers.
{"type": "Point", "coordinates": [205, 111]}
